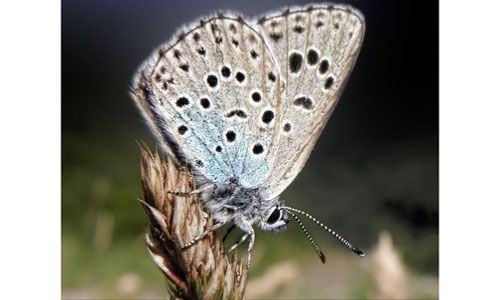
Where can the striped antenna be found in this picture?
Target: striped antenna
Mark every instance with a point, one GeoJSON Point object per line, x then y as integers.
{"type": "Point", "coordinates": [309, 237]}
{"type": "Point", "coordinates": [338, 236]}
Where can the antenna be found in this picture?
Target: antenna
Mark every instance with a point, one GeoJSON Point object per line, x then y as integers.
{"type": "Point", "coordinates": [338, 236]}
{"type": "Point", "coordinates": [309, 237]}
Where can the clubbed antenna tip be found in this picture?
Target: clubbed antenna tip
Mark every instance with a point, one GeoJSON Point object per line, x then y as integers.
{"type": "Point", "coordinates": [358, 252]}
{"type": "Point", "coordinates": [322, 256]}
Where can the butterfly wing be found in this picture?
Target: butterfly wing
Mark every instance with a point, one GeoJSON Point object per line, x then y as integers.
{"type": "Point", "coordinates": [316, 48]}
{"type": "Point", "coordinates": [204, 95]}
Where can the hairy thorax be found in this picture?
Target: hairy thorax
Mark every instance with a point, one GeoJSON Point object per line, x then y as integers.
{"type": "Point", "coordinates": [232, 201]}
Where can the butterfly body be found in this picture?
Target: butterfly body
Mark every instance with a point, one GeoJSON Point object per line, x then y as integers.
{"type": "Point", "coordinates": [242, 103]}
{"type": "Point", "coordinates": [235, 203]}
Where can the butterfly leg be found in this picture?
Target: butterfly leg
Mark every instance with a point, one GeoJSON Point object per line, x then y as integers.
{"type": "Point", "coordinates": [248, 229]}
{"type": "Point", "coordinates": [202, 235]}
{"type": "Point", "coordinates": [239, 242]}
{"type": "Point", "coordinates": [228, 232]}
{"type": "Point", "coordinates": [195, 192]}
{"type": "Point", "coordinates": [250, 247]}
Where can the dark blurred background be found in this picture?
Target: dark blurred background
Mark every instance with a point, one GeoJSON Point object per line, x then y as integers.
{"type": "Point", "coordinates": [374, 169]}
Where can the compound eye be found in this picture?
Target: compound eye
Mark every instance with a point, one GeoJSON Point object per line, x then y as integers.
{"type": "Point", "coordinates": [274, 217]}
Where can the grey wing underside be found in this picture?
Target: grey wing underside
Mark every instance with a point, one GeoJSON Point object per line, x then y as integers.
{"type": "Point", "coordinates": [294, 102]}
{"type": "Point", "coordinates": [197, 93]}
{"type": "Point", "coordinates": [316, 48]}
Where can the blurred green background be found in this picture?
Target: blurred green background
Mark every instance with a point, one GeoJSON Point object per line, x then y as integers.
{"type": "Point", "coordinates": [374, 169]}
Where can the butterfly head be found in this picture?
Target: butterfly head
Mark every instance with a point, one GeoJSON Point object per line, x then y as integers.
{"type": "Point", "coordinates": [274, 219]}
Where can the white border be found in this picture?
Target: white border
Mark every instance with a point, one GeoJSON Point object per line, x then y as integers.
{"type": "Point", "coordinates": [30, 132]}
{"type": "Point", "coordinates": [469, 149]}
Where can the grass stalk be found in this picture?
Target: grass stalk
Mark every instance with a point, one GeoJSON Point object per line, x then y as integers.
{"type": "Point", "coordinates": [202, 271]}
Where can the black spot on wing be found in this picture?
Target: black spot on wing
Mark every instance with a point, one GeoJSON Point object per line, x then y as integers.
{"type": "Point", "coordinates": [298, 29]}
{"type": "Point", "coordinates": [196, 37]}
{"type": "Point", "coordinates": [199, 163]}
{"type": "Point", "coordinates": [267, 116]}
{"type": "Point", "coordinates": [225, 71]}
{"type": "Point", "coordinates": [287, 127]}
{"type": "Point", "coordinates": [323, 66]}
{"type": "Point", "coordinates": [182, 129]}
{"type": "Point", "coordinates": [201, 51]}
{"type": "Point", "coordinates": [271, 76]}
{"type": "Point", "coordinates": [304, 102]}
{"type": "Point", "coordinates": [238, 113]}
{"type": "Point", "coordinates": [205, 103]}
{"type": "Point", "coordinates": [258, 149]}
{"type": "Point", "coordinates": [177, 54]}
{"type": "Point", "coordinates": [256, 97]}
{"type": "Point", "coordinates": [212, 80]}
{"type": "Point", "coordinates": [253, 54]}
{"type": "Point", "coordinates": [230, 136]}
{"type": "Point", "coordinates": [182, 101]}
{"type": "Point", "coordinates": [329, 82]}
{"type": "Point", "coordinates": [276, 36]}
{"type": "Point", "coordinates": [240, 77]}
{"type": "Point", "coordinates": [295, 62]}
{"type": "Point", "coordinates": [312, 57]}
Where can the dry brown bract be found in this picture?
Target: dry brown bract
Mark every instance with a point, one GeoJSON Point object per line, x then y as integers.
{"type": "Point", "coordinates": [203, 271]}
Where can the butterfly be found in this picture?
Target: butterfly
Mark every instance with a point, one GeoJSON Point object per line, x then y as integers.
{"type": "Point", "coordinates": [242, 103]}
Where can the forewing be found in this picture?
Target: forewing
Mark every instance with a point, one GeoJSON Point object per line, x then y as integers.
{"type": "Point", "coordinates": [316, 48]}
{"type": "Point", "coordinates": [204, 96]}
